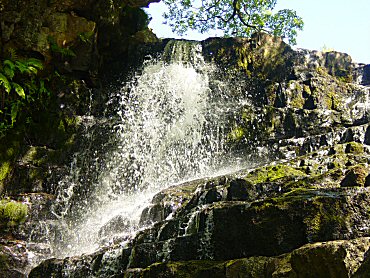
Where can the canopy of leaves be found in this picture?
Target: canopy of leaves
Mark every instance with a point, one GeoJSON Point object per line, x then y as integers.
{"type": "Point", "coordinates": [233, 17]}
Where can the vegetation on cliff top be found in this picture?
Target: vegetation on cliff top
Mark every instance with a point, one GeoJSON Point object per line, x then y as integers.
{"type": "Point", "coordinates": [234, 18]}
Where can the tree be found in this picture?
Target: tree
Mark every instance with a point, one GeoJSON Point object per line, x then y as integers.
{"type": "Point", "coordinates": [232, 17]}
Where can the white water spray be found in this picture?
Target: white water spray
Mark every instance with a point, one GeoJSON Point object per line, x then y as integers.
{"type": "Point", "coordinates": [171, 128]}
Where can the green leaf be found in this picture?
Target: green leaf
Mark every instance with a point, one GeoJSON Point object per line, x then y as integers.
{"type": "Point", "coordinates": [5, 83]}
{"type": "Point", "coordinates": [34, 63]}
{"type": "Point", "coordinates": [19, 90]}
{"type": "Point", "coordinates": [236, 18]}
{"type": "Point", "coordinates": [9, 68]}
{"type": "Point", "coordinates": [14, 112]}
{"type": "Point", "coordinates": [32, 70]}
{"type": "Point", "coordinates": [23, 68]}
{"type": "Point", "coordinates": [9, 72]}
{"type": "Point", "coordinates": [42, 88]}
{"type": "Point", "coordinates": [31, 86]}
{"type": "Point", "coordinates": [9, 64]}
{"type": "Point", "coordinates": [12, 54]}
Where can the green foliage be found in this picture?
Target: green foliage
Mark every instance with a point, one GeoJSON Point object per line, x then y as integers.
{"type": "Point", "coordinates": [64, 51]}
{"type": "Point", "coordinates": [86, 37]}
{"type": "Point", "coordinates": [4, 170]}
{"type": "Point", "coordinates": [12, 213]}
{"type": "Point", "coordinates": [233, 18]}
{"type": "Point", "coordinates": [20, 86]}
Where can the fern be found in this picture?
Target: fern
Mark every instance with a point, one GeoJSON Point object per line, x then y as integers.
{"type": "Point", "coordinates": [32, 70]}
{"type": "Point", "coordinates": [9, 68]}
{"type": "Point", "coordinates": [9, 72]}
{"type": "Point", "coordinates": [42, 88]}
{"type": "Point", "coordinates": [19, 90]}
{"type": "Point", "coordinates": [32, 88]}
{"type": "Point", "coordinates": [12, 54]}
{"type": "Point", "coordinates": [14, 112]}
{"type": "Point", "coordinates": [66, 52]}
{"type": "Point", "coordinates": [34, 63]}
{"type": "Point", "coordinates": [19, 79]}
{"type": "Point", "coordinates": [22, 67]}
{"type": "Point", "coordinates": [5, 83]}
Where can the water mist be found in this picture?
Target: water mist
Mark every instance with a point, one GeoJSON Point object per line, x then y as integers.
{"type": "Point", "coordinates": [171, 126]}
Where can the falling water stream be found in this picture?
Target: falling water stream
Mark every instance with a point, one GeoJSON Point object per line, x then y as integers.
{"type": "Point", "coordinates": [171, 126]}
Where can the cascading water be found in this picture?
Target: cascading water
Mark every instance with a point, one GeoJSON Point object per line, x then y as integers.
{"type": "Point", "coordinates": [171, 127]}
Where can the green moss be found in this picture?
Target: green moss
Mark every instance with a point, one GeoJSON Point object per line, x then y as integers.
{"type": "Point", "coordinates": [297, 101]}
{"type": "Point", "coordinates": [283, 267]}
{"type": "Point", "coordinates": [354, 148]}
{"type": "Point", "coordinates": [307, 89]}
{"type": "Point", "coordinates": [243, 58]}
{"type": "Point", "coordinates": [299, 192]}
{"type": "Point", "coordinates": [326, 216]}
{"type": "Point", "coordinates": [12, 213]}
{"type": "Point", "coordinates": [71, 121]}
{"type": "Point", "coordinates": [185, 269]}
{"type": "Point", "coordinates": [274, 173]}
{"type": "Point", "coordinates": [346, 77]}
{"type": "Point", "coordinates": [61, 126]}
{"type": "Point", "coordinates": [248, 267]}
{"type": "Point", "coordinates": [332, 99]}
{"type": "Point", "coordinates": [10, 152]}
{"type": "Point", "coordinates": [322, 71]}
{"type": "Point", "coordinates": [236, 134]}
{"type": "Point", "coordinates": [4, 170]}
{"type": "Point", "coordinates": [38, 156]}
{"type": "Point", "coordinates": [355, 176]}
{"type": "Point", "coordinates": [324, 213]}
{"type": "Point", "coordinates": [4, 261]}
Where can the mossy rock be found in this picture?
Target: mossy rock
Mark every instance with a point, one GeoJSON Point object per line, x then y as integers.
{"type": "Point", "coordinates": [332, 259]}
{"type": "Point", "coordinates": [355, 176]}
{"type": "Point", "coordinates": [188, 269]}
{"type": "Point", "coordinates": [354, 148]}
{"type": "Point", "coordinates": [10, 147]}
{"type": "Point", "coordinates": [253, 267]}
{"type": "Point", "coordinates": [275, 173]}
{"type": "Point", "coordinates": [341, 258]}
{"type": "Point", "coordinates": [4, 262]}
{"type": "Point", "coordinates": [236, 134]}
{"type": "Point", "coordinates": [12, 213]}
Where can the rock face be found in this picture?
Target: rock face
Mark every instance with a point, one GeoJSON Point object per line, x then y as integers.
{"type": "Point", "coordinates": [74, 36]}
{"type": "Point", "coordinates": [304, 213]}
{"type": "Point", "coordinates": [273, 221]}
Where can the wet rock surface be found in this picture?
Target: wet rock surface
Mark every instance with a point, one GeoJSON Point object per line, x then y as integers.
{"type": "Point", "coordinates": [304, 213]}
{"type": "Point", "coordinates": [272, 220]}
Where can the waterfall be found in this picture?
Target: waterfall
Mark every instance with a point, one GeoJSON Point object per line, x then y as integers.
{"type": "Point", "coordinates": [170, 126]}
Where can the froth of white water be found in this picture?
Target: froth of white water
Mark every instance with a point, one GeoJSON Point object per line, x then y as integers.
{"type": "Point", "coordinates": [171, 127]}
{"type": "Point", "coordinates": [163, 127]}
